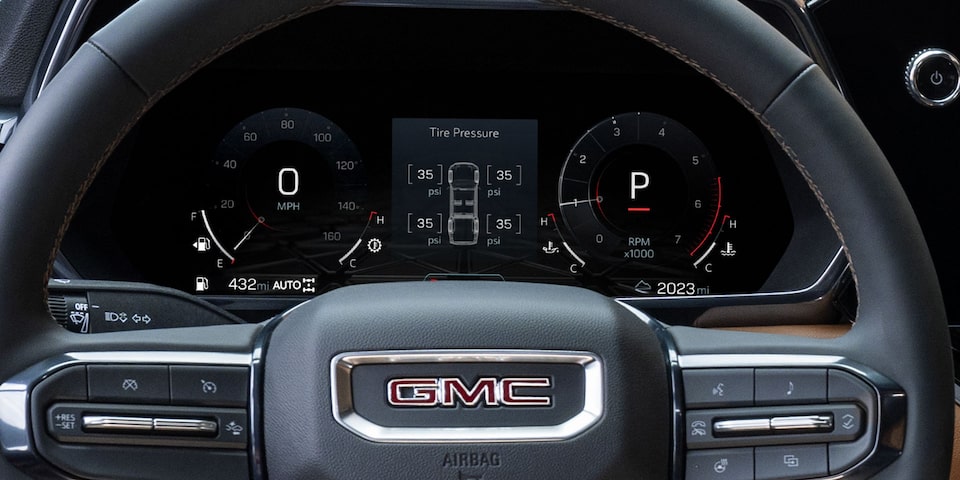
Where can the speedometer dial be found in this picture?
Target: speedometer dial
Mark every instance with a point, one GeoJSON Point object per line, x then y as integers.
{"type": "Point", "coordinates": [287, 193]}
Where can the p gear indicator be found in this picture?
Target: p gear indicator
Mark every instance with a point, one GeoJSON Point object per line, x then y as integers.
{"type": "Point", "coordinates": [640, 191]}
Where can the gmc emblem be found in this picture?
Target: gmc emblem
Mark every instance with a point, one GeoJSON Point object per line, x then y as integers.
{"type": "Point", "coordinates": [448, 392]}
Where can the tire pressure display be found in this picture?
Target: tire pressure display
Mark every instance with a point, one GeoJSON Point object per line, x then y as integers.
{"type": "Point", "coordinates": [464, 190]}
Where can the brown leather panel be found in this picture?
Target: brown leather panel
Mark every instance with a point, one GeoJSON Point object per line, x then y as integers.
{"type": "Point", "coordinates": [955, 462]}
{"type": "Point", "coordinates": [817, 312]}
{"type": "Point", "coordinates": [811, 331]}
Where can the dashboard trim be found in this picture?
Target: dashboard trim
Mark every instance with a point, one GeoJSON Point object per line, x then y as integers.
{"type": "Point", "coordinates": [819, 288]}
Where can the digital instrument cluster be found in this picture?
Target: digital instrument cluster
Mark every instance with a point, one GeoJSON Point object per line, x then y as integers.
{"type": "Point", "coordinates": [269, 176]}
{"type": "Point", "coordinates": [638, 208]}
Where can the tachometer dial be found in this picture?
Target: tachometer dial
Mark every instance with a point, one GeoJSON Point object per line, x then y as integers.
{"type": "Point", "coordinates": [641, 188]}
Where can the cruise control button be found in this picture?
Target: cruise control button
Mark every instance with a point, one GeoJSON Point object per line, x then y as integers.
{"type": "Point", "coordinates": [722, 387]}
{"type": "Point", "coordinates": [726, 464]}
{"type": "Point", "coordinates": [65, 422]}
{"type": "Point", "coordinates": [129, 383]}
{"type": "Point", "coordinates": [782, 386]}
{"type": "Point", "coordinates": [791, 462]}
{"type": "Point", "coordinates": [208, 385]}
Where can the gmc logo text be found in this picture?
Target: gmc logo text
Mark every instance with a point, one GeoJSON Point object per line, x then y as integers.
{"type": "Point", "coordinates": [449, 392]}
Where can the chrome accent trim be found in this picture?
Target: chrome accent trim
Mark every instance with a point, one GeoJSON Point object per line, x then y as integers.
{"type": "Point", "coordinates": [675, 380]}
{"type": "Point", "coordinates": [188, 425]}
{"type": "Point", "coordinates": [913, 71]}
{"type": "Point", "coordinates": [891, 399]}
{"type": "Point", "coordinates": [758, 360]}
{"type": "Point", "coordinates": [65, 43]}
{"type": "Point", "coordinates": [16, 442]}
{"type": "Point", "coordinates": [7, 123]}
{"type": "Point", "coordinates": [342, 365]}
{"type": "Point", "coordinates": [106, 423]}
{"type": "Point", "coordinates": [802, 423]}
{"type": "Point", "coordinates": [744, 426]}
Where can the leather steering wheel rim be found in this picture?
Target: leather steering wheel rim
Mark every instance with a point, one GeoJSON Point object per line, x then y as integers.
{"type": "Point", "coordinates": [131, 63]}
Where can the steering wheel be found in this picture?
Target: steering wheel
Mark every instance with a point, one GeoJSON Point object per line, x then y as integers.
{"type": "Point", "coordinates": [543, 381]}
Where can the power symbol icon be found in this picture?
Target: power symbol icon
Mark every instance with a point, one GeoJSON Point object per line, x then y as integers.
{"type": "Point", "coordinates": [937, 78]}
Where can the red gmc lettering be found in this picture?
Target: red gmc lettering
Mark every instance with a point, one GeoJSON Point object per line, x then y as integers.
{"type": "Point", "coordinates": [509, 396]}
{"type": "Point", "coordinates": [449, 392]}
{"type": "Point", "coordinates": [415, 392]}
{"type": "Point", "coordinates": [454, 389]}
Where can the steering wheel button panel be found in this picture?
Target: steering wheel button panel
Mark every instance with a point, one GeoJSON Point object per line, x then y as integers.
{"type": "Point", "coordinates": [742, 427]}
{"type": "Point", "coordinates": [129, 383]}
{"type": "Point", "coordinates": [147, 425]}
{"type": "Point", "coordinates": [795, 423]}
{"type": "Point", "coordinates": [718, 387]}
